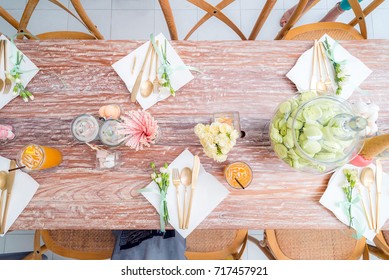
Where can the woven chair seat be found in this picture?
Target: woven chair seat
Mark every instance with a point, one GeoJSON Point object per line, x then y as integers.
{"type": "Point", "coordinates": [337, 30]}
{"type": "Point", "coordinates": [316, 244]}
{"type": "Point", "coordinates": [216, 244]}
{"type": "Point", "coordinates": [82, 240]}
{"type": "Point", "coordinates": [210, 240]}
{"type": "Point", "coordinates": [80, 244]}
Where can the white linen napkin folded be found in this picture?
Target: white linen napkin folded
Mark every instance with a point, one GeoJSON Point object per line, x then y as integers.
{"type": "Point", "coordinates": [334, 195]}
{"type": "Point", "coordinates": [23, 190]}
{"type": "Point", "coordinates": [208, 194]}
{"type": "Point", "coordinates": [178, 77]}
{"type": "Point", "coordinates": [300, 74]}
{"type": "Point", "coordinates": [27, 66]}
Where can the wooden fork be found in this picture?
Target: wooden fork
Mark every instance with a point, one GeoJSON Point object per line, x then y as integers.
{"type": "Point", "coordinates": [177, 183]}
{"type": "Point", "coordinates": [7, 82]}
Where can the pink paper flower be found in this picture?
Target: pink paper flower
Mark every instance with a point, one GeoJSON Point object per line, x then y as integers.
{"type": "Point", "coordinates": [140, 129]}
{"type": "Point", "coordinates": [6, 132]}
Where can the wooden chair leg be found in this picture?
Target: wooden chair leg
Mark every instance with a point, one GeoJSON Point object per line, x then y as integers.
{"type": "Point", "coordinates": [262, 18]}
{"type": "Point", "coordinates": [218, 14]}
{"type": "Point", "coordinates": [168, 14]}
{"type": "Point", "coordinates": [378, 253]}
{"type": "Point", "coordinates": [296, 15]}
{"type": "Point", "coordinates": [207, 16]}
{"type": "Point", "coordinates": [371, 7]}
{"type": "Point", "coordinates": [262, 246]}
{"type": "Point", "coordinates": [27, 13]}
{"type": "Point", "coordinates": [38, 249]}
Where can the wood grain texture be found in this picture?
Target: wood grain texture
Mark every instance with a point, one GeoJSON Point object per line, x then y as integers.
{"type": "Point", "coordinates": [76, 77]}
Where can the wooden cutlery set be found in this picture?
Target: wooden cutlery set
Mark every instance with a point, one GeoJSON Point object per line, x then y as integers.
{"type": "Point", "coordinates": [5, 82]}
{"type": "Point", "coordinates": [367, 179]}
{"type": "Point", "coordinates": [319, 81]}
{"type": "Point", "coordinates": [188, 178]}
{"type": "Point", "coordinates": [6, 183]}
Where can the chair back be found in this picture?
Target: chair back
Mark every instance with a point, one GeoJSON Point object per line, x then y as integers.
{"type": "Point", "coordinates": [337, 30]}
{"type": "Point", "coordinates": [301, 244]}
{"type": "Point", "coordinates": [216, 244]}
{"type": "Point", "coordinates": [217, 12]}
{"type": "Point", "coordinates": [21, 26]}
{"type": "Point", "coordinates": [75, 244]}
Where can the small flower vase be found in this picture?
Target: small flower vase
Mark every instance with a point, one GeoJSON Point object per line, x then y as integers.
{"type": "Point", "coordinates": [231, 118]}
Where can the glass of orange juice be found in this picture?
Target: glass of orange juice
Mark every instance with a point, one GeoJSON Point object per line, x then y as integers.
{"type": "Point", "coordinates": [238, 175]}
{"type": "Point", "coordinates": [36, 157]}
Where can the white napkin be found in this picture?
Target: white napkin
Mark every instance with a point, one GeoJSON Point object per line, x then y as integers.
{"type": "Point", "coordinates": [334, 194]}
{"type": "Point", "coordinates": [208, 194]}
{"type": "Point", "coordinates": [23, 190]}
{"type": "Point", "coordinates": [27, 66]}
{"type": "Point", "coordinates": [300, 74]}
{"type": "Point", "coordinates": [178, 78]}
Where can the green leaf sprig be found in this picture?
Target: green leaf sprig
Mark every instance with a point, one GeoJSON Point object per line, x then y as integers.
{"type": "Point", "coordinates": [14, 76]}
{"type": "Point", "coordinates": [165, 77]}
{"type": "Point", "coordinates": [161, 178]}
{"type": "Point", "coordinates": [340, 74]}
{"type": "Point", "coordinates": [351, 177]}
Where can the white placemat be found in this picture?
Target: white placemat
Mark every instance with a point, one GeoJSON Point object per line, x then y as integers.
{"type": "Point", "coordinates": [300, 74]}
{"type": "Point", "coordinates": [23, 190]}
{"type": "Point", "coordinates": [178, 77]}
{"type": "Point", "coordinates": [209, 193]}
{"type": "Point", "coordinates": [27, 66]}
{"type": "Point", "coordinates": [335, 195]}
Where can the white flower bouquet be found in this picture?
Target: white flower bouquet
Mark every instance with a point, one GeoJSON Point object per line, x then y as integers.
{"type": "Point", "coordinates": [217, 139]}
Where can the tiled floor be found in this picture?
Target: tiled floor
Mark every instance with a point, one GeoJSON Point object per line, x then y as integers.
{"type": "Point", "coordinates": [136, 19]}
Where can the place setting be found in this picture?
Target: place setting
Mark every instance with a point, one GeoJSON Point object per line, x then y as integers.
{"type": "Point", "coordinates": [16, 71]}
{"type": "Point", "coordinates": [153, 72]}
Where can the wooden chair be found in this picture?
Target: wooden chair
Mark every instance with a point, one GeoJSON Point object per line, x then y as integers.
{"type": "Point", "coordinates": [303, 244]}
{"type": "Point", "coordinates": [337, 30]}
{"type": "Point", "coordinates": [29, 10]}
{"type": "Point", "coordinates": [215, 11]}
{"type": "Point", "coordinates": [75, 244]}
{"type": "Point", "coordinates": [381, 248]}
{"type": "Point", "coordinates": [216, 244]}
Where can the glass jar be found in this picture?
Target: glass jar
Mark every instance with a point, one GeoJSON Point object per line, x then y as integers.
{"type": "Point", "coordinates": [316, 134]}
{"type": "Point", "coordinates": [109, 135]}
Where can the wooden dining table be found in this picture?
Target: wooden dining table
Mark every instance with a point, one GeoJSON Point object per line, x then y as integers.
{"type": "Point", "coordinates": [76, 77]}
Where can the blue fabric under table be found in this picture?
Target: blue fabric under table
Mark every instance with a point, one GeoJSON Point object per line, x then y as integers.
{"type": "Point", "coordinates": [148, 245]}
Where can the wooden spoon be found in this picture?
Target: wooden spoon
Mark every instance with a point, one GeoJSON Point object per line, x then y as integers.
{"type": "Point", "coordinates": [186, 181]}
{"type": "Point", "coordinates": [156, 80]}
{"type": "Point", "coordinates": [320, 85]}
{"type": "Point", "coordinates": [3, 187]}
{"type": "Point", "coordinates": [7, 82]}
{"type": "Point", "coordinates": [147, 86]}
{"type": "Point", "coordinates": [367, 179]}
{"type": "Point", "coordinates": [1, 58]}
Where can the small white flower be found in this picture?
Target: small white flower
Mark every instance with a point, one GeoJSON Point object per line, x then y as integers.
{"type": "Point", "coordinates": [153, 176]}
{"type": "Point", "coordinates": [199, 129]}
{"type": "Point", "coordinates": [158, 180]}
{"type": "Point", "coordinates": [220, 158]}
{"type": "Point", "coordinates": [18, 81]}
{"type": "Point", "coordinates": [163, 170]}
{"type": "Point", "coordinates": [234, 135]}
{"type": "Point", "coordinates": [222, 140]}
{"type": "Point", "coordinates": [214, 128]}
{"type": "Point", "coordinates": [224, 128]}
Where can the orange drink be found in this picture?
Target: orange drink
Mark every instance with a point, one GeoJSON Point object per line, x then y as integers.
{"type": "Point", "coordinates": [36, 157]}
{"type": "Point", "coordinates": [238, 175]}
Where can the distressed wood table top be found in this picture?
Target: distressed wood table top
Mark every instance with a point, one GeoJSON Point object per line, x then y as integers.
{"type": "Point", "coordinates": [76, 77]}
